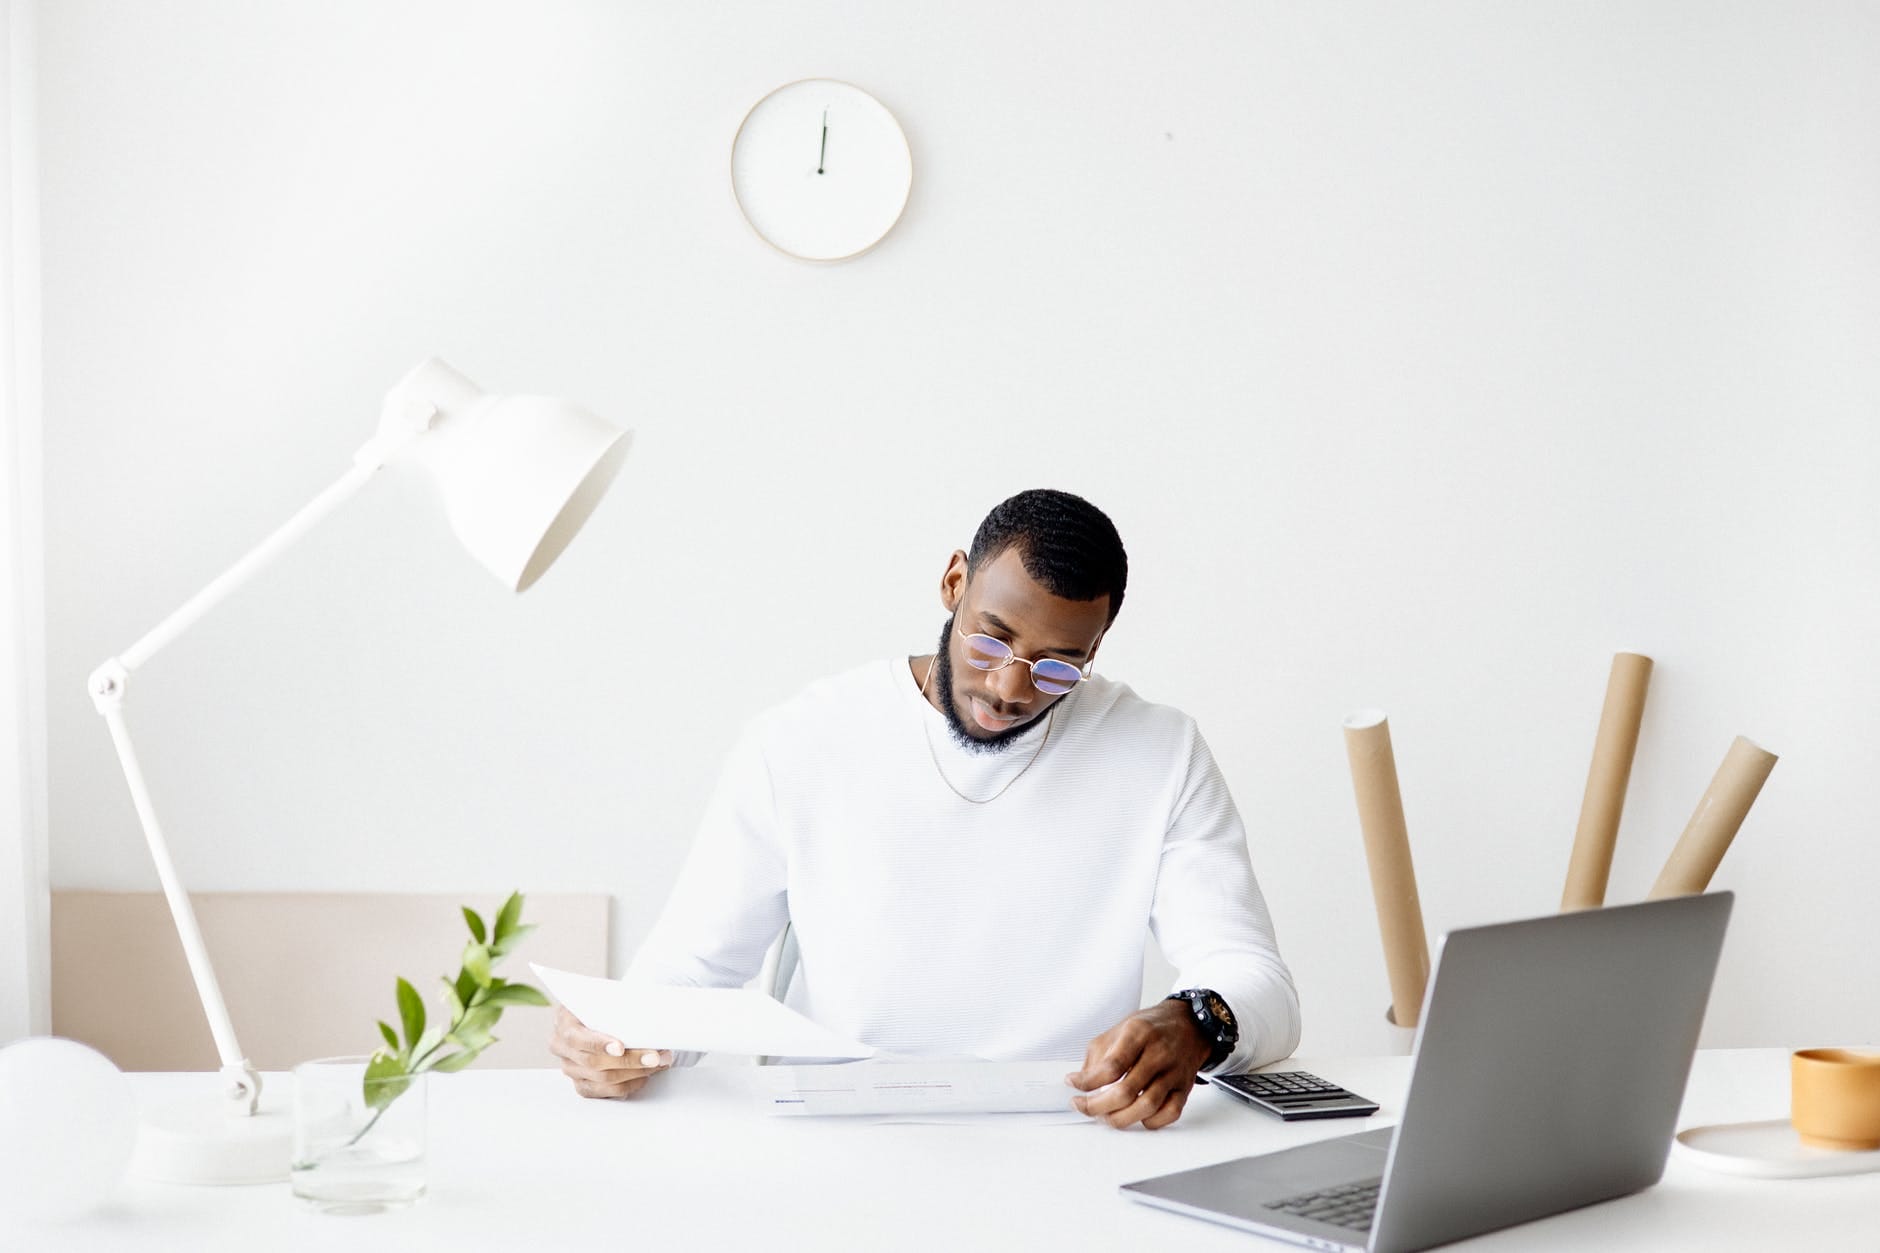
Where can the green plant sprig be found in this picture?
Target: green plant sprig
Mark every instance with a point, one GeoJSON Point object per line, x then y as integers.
{"type": "Point", "coordinates": [476, 998]}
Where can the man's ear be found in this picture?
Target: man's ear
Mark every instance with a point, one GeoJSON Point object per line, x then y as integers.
{"type": "Point", "coordinates": [953, 582]}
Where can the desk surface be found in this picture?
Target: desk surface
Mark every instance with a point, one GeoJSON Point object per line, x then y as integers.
{"type": "Point", "coordinates": [518, 1161]}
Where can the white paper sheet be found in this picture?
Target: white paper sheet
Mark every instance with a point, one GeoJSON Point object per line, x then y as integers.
{"type": "Point", "coordinates": [705, 1020]}
{"type": "Point", "coordinates": [920, 1089]}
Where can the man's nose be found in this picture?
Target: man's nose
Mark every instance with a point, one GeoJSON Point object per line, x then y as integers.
{"type": "Point", "coordinates": [1012, 684]}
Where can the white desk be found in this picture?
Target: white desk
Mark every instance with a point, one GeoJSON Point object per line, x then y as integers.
{"type": "Point", "coordinates": [519, 1162]}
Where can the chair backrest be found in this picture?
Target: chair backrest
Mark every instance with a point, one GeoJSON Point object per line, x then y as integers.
{"type": "Point", "coordinates": [780, 964]}
{"type": "Point", "coordinates": [305, 974]}
{"type": "Point", "coordinates": [779, 968]}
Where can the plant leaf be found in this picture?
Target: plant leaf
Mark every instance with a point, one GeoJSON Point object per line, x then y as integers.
{"type": "Point", "coordinates": [410, 1011]}
{"type": "Point", "coordinates": [385, 1081]}
{"type": "Point", "coordinates": [450, 996]}
{"type": "Point", "coordinates": [476, 923]}
{"type": "Point", "coordinates": [508, 917]}
{"type": "Point", "coordinates": [452, 1062]}
{"type": "Point", "coordinates": [391, 1036]}
{"type": "Point", "coordinates": [432, 1037]}
{"type": "Point", "coordinates": [465, 988]}
{"type": "Point", "coordinates": [474, 1031]}
{"type": "Point", "coordinates": [477, 1023]}
{"type": "Point", "coordinates": [515, 937]}
{"type": "Point", "coordinates": [515, 994]}
{"type": "Point", "coordinates": [476, 963]}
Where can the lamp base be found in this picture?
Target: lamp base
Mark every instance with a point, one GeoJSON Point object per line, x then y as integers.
{"type": "Point", "coordinates": [196, 1142]}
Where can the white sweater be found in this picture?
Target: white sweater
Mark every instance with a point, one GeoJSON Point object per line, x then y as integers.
{"type": "Point", "coordinates": [1012, 930]}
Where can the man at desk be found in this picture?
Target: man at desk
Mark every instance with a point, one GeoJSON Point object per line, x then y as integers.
{"type": "Point", "coordinates": [972, 845]}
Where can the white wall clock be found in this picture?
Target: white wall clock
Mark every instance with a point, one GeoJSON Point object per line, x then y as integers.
{"type": "Point", "coordinates": [821, 169]}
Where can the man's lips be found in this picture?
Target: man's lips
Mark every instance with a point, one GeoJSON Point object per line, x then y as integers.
{"type": "Point", "coordinates": [990, 721]}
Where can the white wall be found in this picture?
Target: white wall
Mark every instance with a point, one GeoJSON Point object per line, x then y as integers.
{"type": "Point", "coordinates": [1424, 354]}
{"type": "Point", "coordinates": [25, 1004]}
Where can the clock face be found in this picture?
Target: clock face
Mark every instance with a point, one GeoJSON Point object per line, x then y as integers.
{"type": "Point", "coordinates": [821, 169]}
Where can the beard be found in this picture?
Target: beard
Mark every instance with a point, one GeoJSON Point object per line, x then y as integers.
{"type": "Point", "coordinates": [943, 675]}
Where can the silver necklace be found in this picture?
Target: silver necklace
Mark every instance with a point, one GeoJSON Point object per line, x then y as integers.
{"type": "Point", "coordinates": [935, 757]}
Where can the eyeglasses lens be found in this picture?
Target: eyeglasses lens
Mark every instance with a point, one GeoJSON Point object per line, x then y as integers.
{"type": "Point", "coordinates": [1055, 678]}
{"type": "Point", "coordinates": [985, 653]}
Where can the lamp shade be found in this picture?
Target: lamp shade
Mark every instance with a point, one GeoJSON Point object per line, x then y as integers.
{"type": "Point", "coordinates": [518, 475]}
{"type": "Point", "coordinates": [68, 1120]}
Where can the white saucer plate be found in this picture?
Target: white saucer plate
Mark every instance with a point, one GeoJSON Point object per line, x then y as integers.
{"type": "Point", "coordinates": [1770, 1150]}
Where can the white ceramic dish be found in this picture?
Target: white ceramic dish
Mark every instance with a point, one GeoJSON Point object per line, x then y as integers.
{"type": "Point", "coordinates": [1770, 1150]}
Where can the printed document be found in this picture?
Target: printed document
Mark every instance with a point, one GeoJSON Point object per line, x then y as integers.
{"type": "Point", "coordinates": [703, 1020]}
{"type": "Point", "coordinates": [922, 1088]}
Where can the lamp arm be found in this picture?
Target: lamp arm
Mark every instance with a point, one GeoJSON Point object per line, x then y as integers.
{"type": "Point", "coordinates": [244, 1083]}
{"type": "Point", "coordinates": [263, 555]}
{"type": "Point", "coordinates": [107, 685]}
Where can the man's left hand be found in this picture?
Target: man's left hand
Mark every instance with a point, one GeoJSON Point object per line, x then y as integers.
{"type": "Point", "coordinates": [1145, 1067]}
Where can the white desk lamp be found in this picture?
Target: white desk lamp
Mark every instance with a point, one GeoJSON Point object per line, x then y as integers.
{"type": "Point", "coordinates": [518, 476]}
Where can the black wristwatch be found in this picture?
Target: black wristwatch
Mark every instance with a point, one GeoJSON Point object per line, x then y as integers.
{"type": "Point", "coordinates": [1216, 1022]}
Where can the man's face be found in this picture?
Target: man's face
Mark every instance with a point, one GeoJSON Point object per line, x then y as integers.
{"type": "Point", "coordinates": [989, 707]}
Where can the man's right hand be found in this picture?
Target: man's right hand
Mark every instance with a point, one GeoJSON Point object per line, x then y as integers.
{"type": "Point", "coordinates": [600, 1065]}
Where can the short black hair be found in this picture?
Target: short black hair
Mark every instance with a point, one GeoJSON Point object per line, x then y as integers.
{"type": "Point", "coordinates": [1067, 544]}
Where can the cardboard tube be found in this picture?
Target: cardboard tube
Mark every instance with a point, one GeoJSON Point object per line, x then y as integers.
{"type": "Point", "coordinates": [1708, 834]}
{"type": "Point", "coordinates": [1606, 780]}
{"type": "Point", "coordinates": [1387, 848]}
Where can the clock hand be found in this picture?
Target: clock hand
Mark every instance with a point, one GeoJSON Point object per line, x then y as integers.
{"type": "Point", "coordinates": [825, 143]}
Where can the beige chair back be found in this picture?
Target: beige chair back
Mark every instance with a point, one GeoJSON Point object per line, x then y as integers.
{"type": "Point", "coordinates": [305, 974]}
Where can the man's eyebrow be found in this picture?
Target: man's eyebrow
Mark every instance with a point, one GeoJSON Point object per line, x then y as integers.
{"type": "Point", "coordinates": [997, 623]}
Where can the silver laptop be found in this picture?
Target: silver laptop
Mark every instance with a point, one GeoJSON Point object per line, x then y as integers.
{"type": "Point", "coordinates": [1549, 1068]}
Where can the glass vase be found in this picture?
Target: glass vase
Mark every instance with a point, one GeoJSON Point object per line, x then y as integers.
{"type": "Point", "coordinates": [358, 1147]}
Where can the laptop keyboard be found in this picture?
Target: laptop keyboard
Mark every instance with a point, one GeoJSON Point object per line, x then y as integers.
{"type": "Point", "coordinates": [1350, 1206]}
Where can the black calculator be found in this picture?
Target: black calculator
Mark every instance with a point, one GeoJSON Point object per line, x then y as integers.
{"type": "Point", "coordinates": [1294, 1094]}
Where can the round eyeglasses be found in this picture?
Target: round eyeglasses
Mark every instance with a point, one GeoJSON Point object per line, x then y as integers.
{"type": "Point", "coordinates": [1048, 674]}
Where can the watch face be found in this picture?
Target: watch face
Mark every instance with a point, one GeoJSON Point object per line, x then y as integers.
{"type": "Point", "coordinates": [1222, 1014]}
{"type": "Point", "coordinates": [821, 169]}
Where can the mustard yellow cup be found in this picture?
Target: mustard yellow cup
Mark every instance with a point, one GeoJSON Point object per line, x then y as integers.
{"type": "Point", "coordinates": [1834, 1098]}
